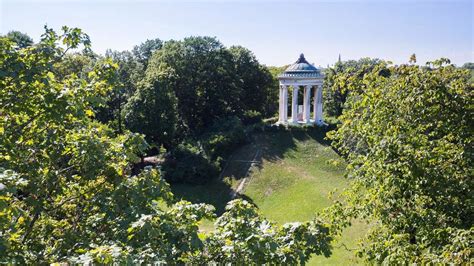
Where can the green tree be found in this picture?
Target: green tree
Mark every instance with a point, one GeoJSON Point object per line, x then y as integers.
{"type": "Point", "coordinates": [144, 51]}
{"type": "Point", "coordinates": [259, 92]}
{"type": "Point", "coordinates": [243, 237]}
{"type": "Point", "coordinates": [19, 38]}
{"type": "Point", "coordinates": [201, 72]}
{"type": "Point", "coordinates": [275, 71]}
{"type": "Point", "coordinates": [79, 64]}
{"type": "Point", "coordinates": [152, 111]}
{"type": "Point", "coordinates": [408, 140]}
{"type": "Point", "coordinates": [470, 66]}
{"type": "Point", "coordinates": [65, 184]}
{"type": "Point", "coordinates": [336, 91]}
{"type": "Point", "coordinates": [129, 73]}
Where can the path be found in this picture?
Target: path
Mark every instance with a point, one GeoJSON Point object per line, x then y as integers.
{"type": "Point", "coordinates": [243, 182]}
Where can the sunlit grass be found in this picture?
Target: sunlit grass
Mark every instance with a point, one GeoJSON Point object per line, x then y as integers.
{"type": "Point", "coordinates": [292, 184]}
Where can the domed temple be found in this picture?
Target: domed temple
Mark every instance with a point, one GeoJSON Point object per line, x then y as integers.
{"type": "Point", "coordinates": [301, 74]}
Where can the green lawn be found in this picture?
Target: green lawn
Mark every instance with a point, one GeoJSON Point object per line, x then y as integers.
{"type": "Point", "coordinates": [290, 184]}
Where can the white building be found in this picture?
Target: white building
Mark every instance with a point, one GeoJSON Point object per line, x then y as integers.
{"type": "Point", "coordinates": [301, 74]}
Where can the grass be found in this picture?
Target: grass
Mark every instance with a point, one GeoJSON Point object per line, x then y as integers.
{"type": "Point", "coordinates": [291, 183]}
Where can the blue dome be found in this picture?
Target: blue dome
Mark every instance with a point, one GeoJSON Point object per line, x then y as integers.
{"type": "Point", "coordinates": [301, 69]}
{"type": "Point", "coordinates": [301, 66]}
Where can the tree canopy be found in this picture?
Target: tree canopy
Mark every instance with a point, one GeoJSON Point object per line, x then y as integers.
{"type": "Point", "coordinates": [211, 81]}
{"type": "Point", "coordinates": [336, 91]}
{"type": "Point", "coordinates": [151, 110]}
{"type": "Point", "coordinates": [408, 139]}
{"type": "Point", "coordinates": [144, 51]}
{"type": "Point", "coordinates": [22, 40]}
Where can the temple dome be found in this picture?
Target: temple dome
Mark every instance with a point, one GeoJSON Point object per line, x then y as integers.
{"type": "Point", "coordinates": [301, 69]}
{"type": "Point", "coordinates": [301, 65]}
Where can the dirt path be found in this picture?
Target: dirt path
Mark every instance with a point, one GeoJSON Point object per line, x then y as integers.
{"type": "Point", "coordinates": [244, 181]}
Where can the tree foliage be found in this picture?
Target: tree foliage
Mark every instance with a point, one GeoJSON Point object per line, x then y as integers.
{"type": "Point", "coordinates": [210, 81]}
{"type": "Point", "coordinates": [144, 51]}
{"type": "Point", "coordinates": [259, 94]}
{"type": "Point", "coordinates": [151, 110]}
{"type": "Point", "coordinates": [78, 64]}
{"type": "Point", "coordinates": [63, 175]}
{"type": "Point", "coordinates": [336, 90]}
{"type": "Point", "coordinates": [22, 40]}
{"type": "Point", "coordinates": [408, 140]}
{"type": "Point", "coordinates": [129, 73]}
{"type": "Point", "coordinates": [243, 236]}
{"type": "Point", "coordinates": [200, 71]}
{"type": "Point", "coordinates": [470, 66]}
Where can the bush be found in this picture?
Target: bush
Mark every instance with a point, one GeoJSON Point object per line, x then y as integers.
{"type": "Point", "coordinates": [251, 117]}
{"type": "Point", "coordinates": [224, 137]}
{"type": "Point", "coordinates": [188, 163]}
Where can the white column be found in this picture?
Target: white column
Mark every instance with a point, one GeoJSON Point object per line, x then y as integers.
{"type": "Point", "coordinates": [280, 104]}
{"type": "Point", "coordinates": [306, 103]}
{"type": "Point", "coordinates": [285, 104]}
{"type": "Point", "coordinates": [294, 105]}
{"type": "Point", "coordinates": [315, 103]}
{"type": "Point", "coordinates": [318, 110]}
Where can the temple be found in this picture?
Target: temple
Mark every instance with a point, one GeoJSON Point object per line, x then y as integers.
{"type": "Point", "coordinates": [301, 74]}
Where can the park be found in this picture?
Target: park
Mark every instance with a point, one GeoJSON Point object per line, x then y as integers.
{"type": "Point", "coordinates": [150, 133]}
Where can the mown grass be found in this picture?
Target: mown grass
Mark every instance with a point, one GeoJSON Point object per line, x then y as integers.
{"type": "Point", "coordinates": [291, 183]}
{"type": "Point", "coordinates": [294, 183]}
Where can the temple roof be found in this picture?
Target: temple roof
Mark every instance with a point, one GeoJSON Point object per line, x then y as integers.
{"type": "Point", "coordinates": [301, 68]}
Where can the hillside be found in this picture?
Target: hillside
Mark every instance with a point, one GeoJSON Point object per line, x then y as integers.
{"type": "Point", "coordinates": [289, 179]}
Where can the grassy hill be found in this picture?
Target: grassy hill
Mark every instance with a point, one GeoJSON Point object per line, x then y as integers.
{"type": "Point", "coordinates": [287, 174]}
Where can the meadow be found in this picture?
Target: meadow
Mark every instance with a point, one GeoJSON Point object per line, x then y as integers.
{"type": "Point", "coordinates": [290, 175]}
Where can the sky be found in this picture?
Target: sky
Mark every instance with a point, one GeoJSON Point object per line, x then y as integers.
{"type": "Point", "coordinates": [276, 31]}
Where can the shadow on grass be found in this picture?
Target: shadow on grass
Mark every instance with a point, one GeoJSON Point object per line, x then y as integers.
{"type": "Point", "coordinates": [271, 145]}
{"type": "Point", "coordinates": [279, 141]}
{"type": "Point", "coordinates": [216, 193]}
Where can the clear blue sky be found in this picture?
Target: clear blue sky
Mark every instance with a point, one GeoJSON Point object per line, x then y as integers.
{"type": "Point", "coordinates": [276, 31]}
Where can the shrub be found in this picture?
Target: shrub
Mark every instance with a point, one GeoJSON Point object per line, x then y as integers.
{"type": "Point", "coordinates": [224, 137]}
{"type": "Point", "coordinates": [188, 163]}
{"type": "Point", "coordinates": [251, 117]}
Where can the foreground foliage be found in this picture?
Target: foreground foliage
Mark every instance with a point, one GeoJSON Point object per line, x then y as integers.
{"type": "Point", "coordinates": [408, 140]}
{"type": "Point", "coordinates": [66, 190]}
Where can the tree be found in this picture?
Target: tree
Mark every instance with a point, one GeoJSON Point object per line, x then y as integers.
{"type": "Point", "coordinates": [65, 184]}
{"type": "Point", "coordinates": [468, 65]}
{"type": "Point", "coordinates": [152, 111]}
{"type": "Point", "coordinates": [408, 139]}
{"type": "Point", "coordinates": [336, 91]}
{"type": "Point", "coordinates": [201, 72]}
{"type": "Point", "coordinates": [21, 39]}
{"type": "Point", "coordinates": [78, 64]}
{"type": "Point", "coordinates": [144, 51]}
{"type": "Point", "coordinates": [259, 92]}
{"type": "Point", "coordinates": [243, 237]}
{"type": "Point", "coordinates": [129, 73]}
